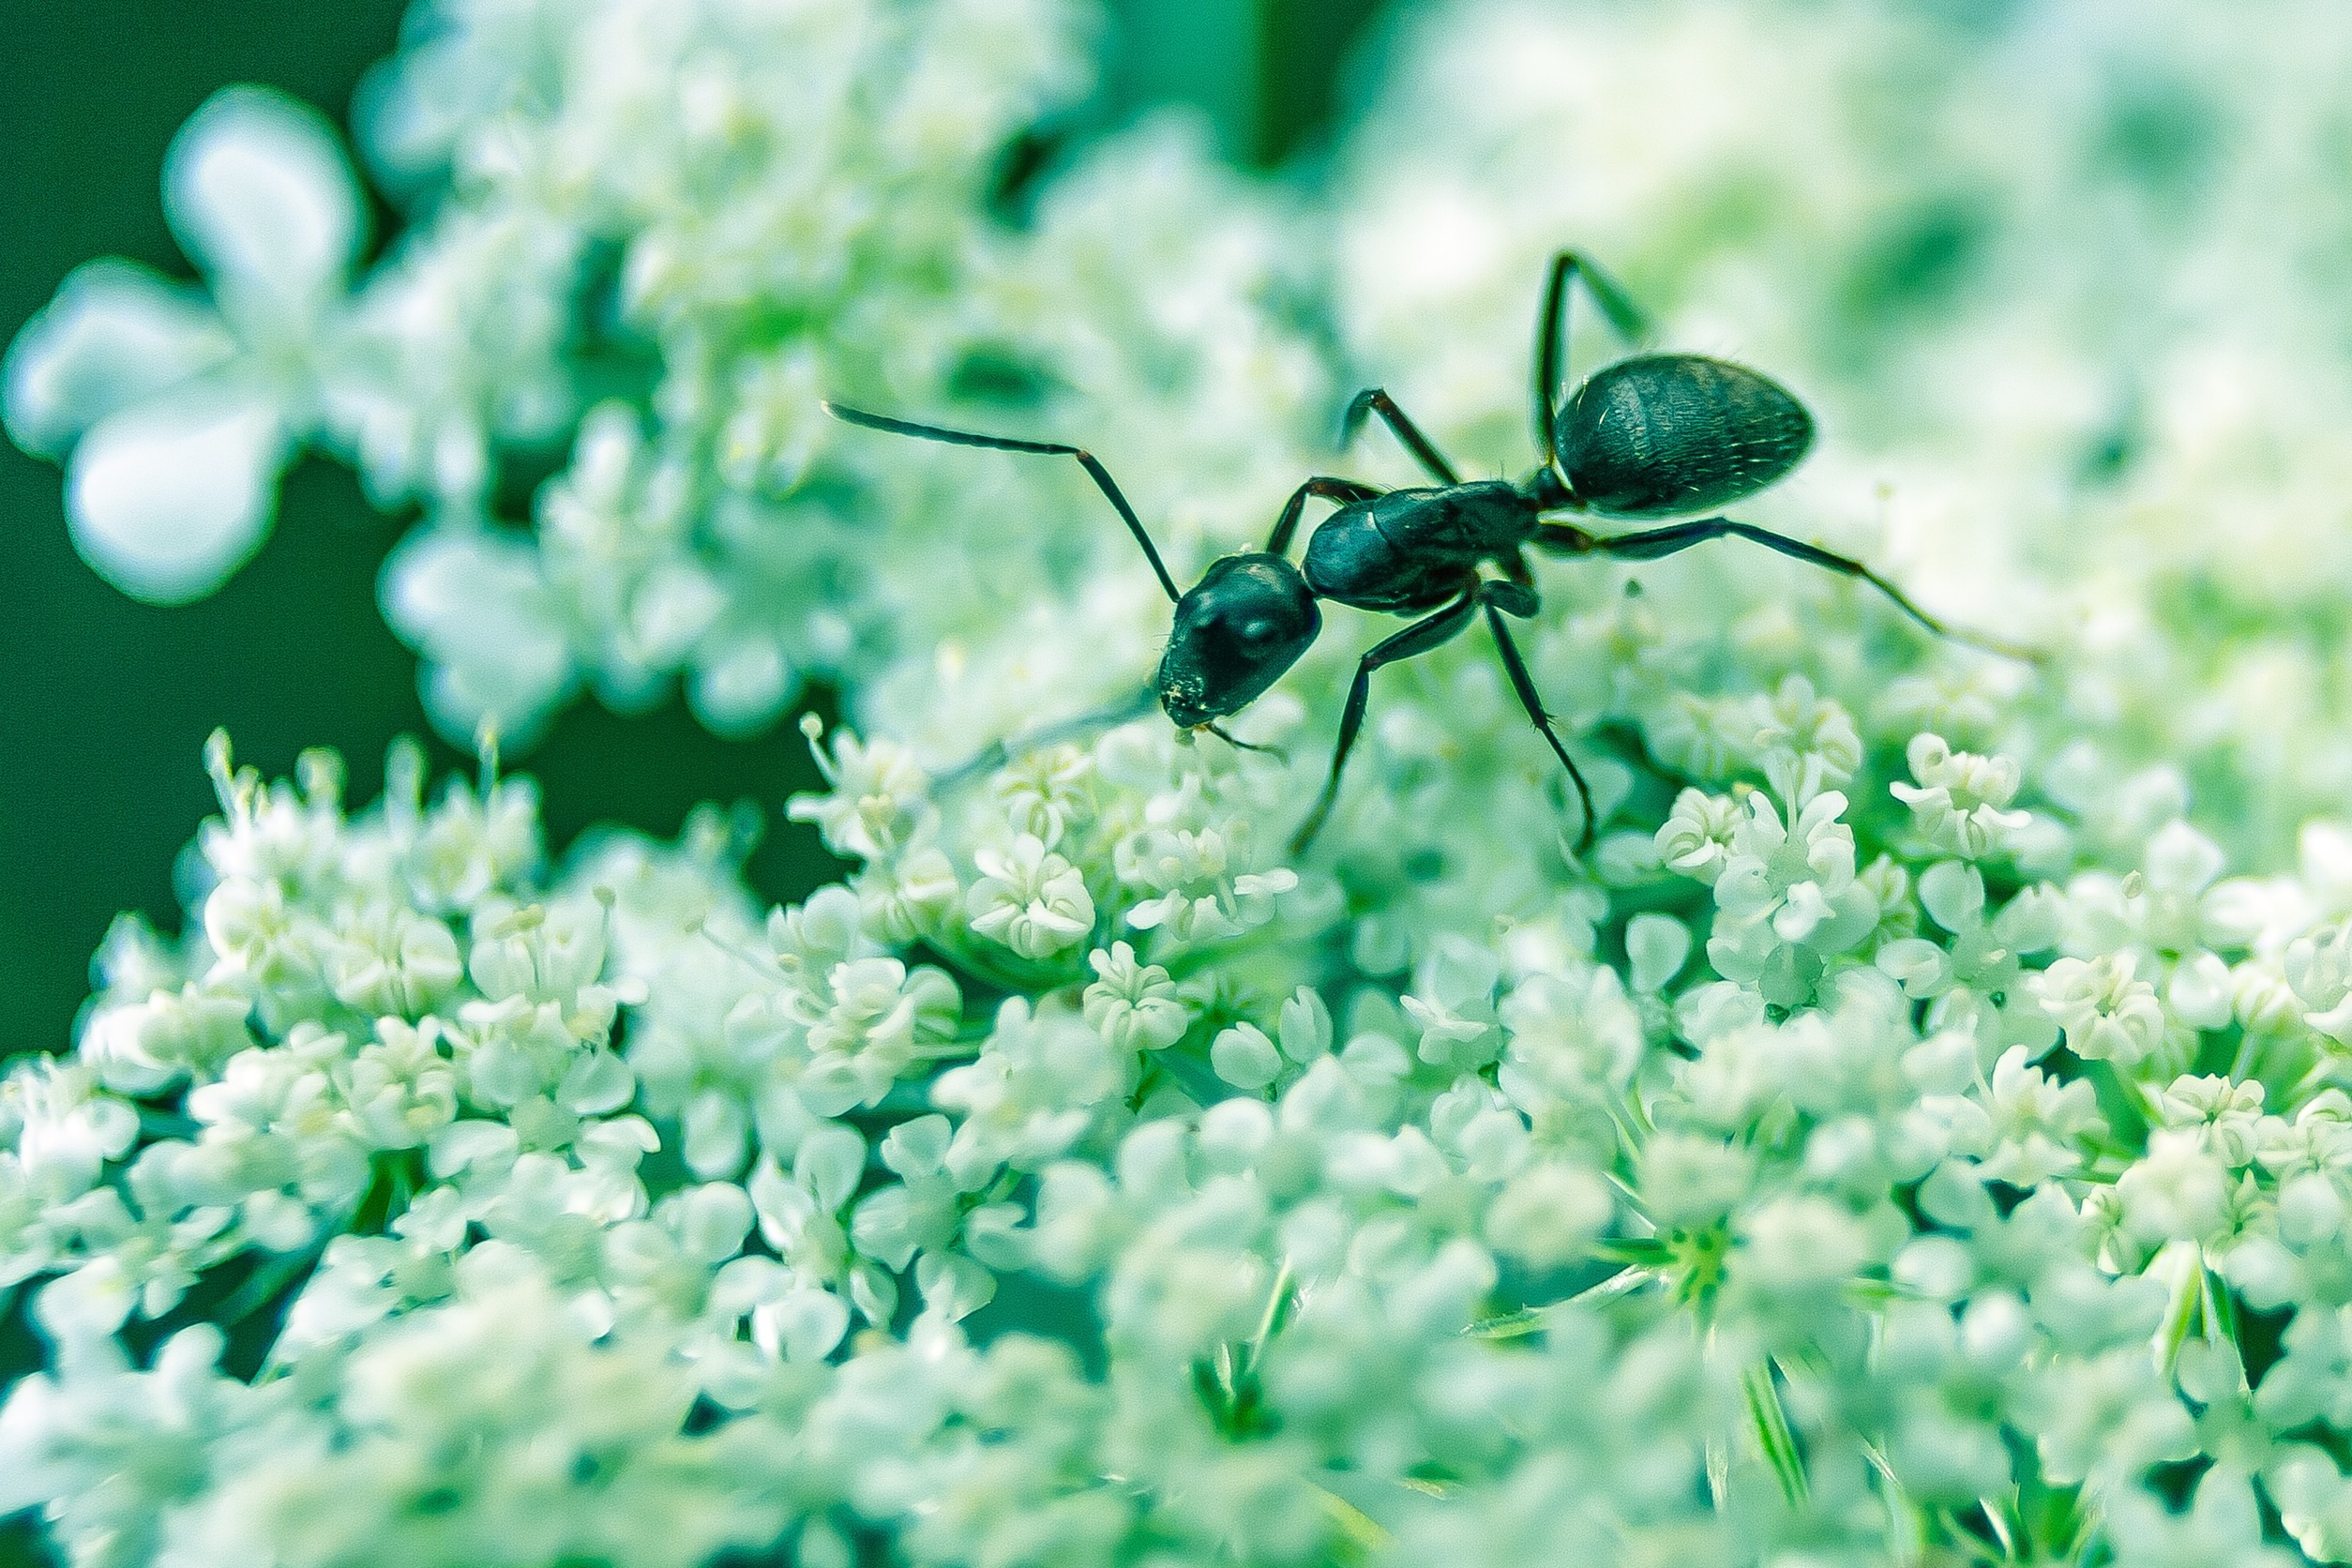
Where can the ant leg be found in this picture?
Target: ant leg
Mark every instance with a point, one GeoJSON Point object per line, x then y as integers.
{"type": "Point", "coordinates": [1221, 733]}
{"type": "Point", "coordinates": [1502, 598]}
{"type": "Point", "coordinates": [1419, 638]}
{"type": "Point", "coordinates": [1551, 333]}
{"type": "Point", "coordinates": [1651, 543]}
{"type": "Point", "coordinates": [1095, 470]}
{"type": "Point", "coordinates": [1341, 491]}
{"type": "Point", "coordinates": [997, 753]}
{"type": "Point", "coordinates": [1374, 400]}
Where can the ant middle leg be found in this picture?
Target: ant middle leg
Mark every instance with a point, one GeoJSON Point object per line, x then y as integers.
{"type": "Point", "coordinates": [1514, 598]}
{"type": "Point", "coordinates": [1374, 400]}
{"type": "Point", "coordinates": [1425, 634]}
{"type": "Point", "coordinates": [1551, 333]}
{"type": "Point", "coordinates": [1323, 484]}
{"type": "Point", "coordinates": [1001, 751]}
{"type": "Point", "coordinates": [1649, 544]}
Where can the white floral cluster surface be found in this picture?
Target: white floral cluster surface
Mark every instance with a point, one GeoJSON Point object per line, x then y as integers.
{"type": "Point", "coordinates": [1917, 1130]}
{"type": "Point", "coordinates": [645, 239]}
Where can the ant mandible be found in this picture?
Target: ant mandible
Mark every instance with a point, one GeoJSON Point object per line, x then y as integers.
{"type": "Point", "coordinates": [1652, 436]}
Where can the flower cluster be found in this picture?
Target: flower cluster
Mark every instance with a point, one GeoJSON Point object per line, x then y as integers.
{"type": "Point", "coordinates": [1918, 1128]}
{"type": "Point", "coordinates": [653, 237]}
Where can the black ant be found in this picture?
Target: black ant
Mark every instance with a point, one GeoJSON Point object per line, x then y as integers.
{"type": "Point", "coordinates": [1651, 436]}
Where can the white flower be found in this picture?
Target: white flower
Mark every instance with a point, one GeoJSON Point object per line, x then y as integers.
{"type": "Point", "coordinates": [2177, 1191]}
{"type": "Point", "coordinates": [1201, 898]}
{"type": "Point", "coordinates": [389, 960]}
{"type": "Point", "coordinates": [1245, 1058]}
{"type": "Point", "coordinates": [2319, 969]}
{"type": "Point", "coordinates": [1798, 1245]}
{"type": "Point", "coordinates": [184, 419]}
{"type": "Point", "coordinates": [110, 1450]}
{"type": "Point", "coordinates": [399, 1088]}
{"type": "Point", "coordinates": [1134, 1005]}
{"type": "Point", "coordinates": [1047, 791]}
{"type": "Point", "coordinates": [1548, 1214]}
{"type": "Point", "coordinates": [2108, 1016]}
{"type": "Point", "coordinates": [1695, 839]}
{"type": "Point", "coordinates": [1038, 1086]}
{"type": "Point", "coordinates": [1788, 875]}
{"type": "Point", "coordinates": [65, 1127]}
{"type": "Point", "coordinates": [908, 898]}
{"type": "Point", "coordinates": [1805, 742]}
{"type": "Point", "coordinates": [1032, 902]}
{"type": "Point", "coordinates": [1573, 1040]}
{"type": "Point", "coordinates": [1957, 804]}
{"type": "Point", "coordinates": [878, 795]}
{"type": "Point", "coordinates": [2109, 1415]}
{"type": "Point", "coordinates": [2227, 1116]}
{"type": "Point", "coordinates": [878, 1016]}
{"type": "Point", "coordinates": [2032, 1127]}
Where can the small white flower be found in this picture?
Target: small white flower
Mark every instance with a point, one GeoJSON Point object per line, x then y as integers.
{"type": "Point", "coordinates": [1245, 1058]}
{"type": "Point", "coordinates": [2319, 969]}
{"type": "Point", "coordinates": [1548, 1214]}
{"type": "Point", "coordinates": [907, 898]}
{"type": "Point", "coordinates": [1201, 898]}
{"type": "Point", "coordinates": [1047, 791]}
{"type": "Point", "coordinates": [2108, 1016]}
{"type": "Point", "coordinates": [877, 798]}
{"type": "Point", "coordinates": [2177, 1191]}
{"type": "Point", "coordinates": [1032, 902]}
{"type": "Point", "coordinates": [185, 418]}
{"type": "Point", "coordinates": [1958, 803]}
{"type": "Point", "coordinates": [1695, 838]}
{"type": "Point", "coordinates": [2035, 1127]}
{"type": "Point", "coordinates": [1804, 743]}
{"type": "Point", "coordinates": [1134, 1005]}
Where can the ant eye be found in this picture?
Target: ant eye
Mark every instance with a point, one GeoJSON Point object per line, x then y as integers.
{"type": "Point", "coordinates": [1257, 631]}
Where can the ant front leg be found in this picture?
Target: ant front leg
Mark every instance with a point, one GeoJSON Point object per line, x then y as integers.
{"type": "Point", "coordinates": [1551, 333]}
{"type": "Point", "coordinates": [1651, 543]}
{"type": "Point", "coordinates": [1419, 638]}
{"type": "Point", "coordinates": [1515, 599]}
{"type": "Point", "coordinates": [1340, 491]}
{"type": "Point", "coordinates": [1374, 400]}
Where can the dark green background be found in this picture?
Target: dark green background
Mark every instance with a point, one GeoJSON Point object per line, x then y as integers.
{"type": "Point", "coordinates": [106, 703]}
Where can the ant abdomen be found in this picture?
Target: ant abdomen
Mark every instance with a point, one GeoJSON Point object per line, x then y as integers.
{"type": "Point", "coordinates": [1661, 434]}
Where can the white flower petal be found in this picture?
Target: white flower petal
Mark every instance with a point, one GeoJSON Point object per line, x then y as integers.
{"type": "Point", "coordinates": [258, 190]}
{"type": "Point", "coordinates": [167, 501]}
{"type": "Point", "coordinates": [115, 335]}
{"type": "Point", "coordinates": [739, 686]}
{"type": "Point", "coordinates": [478, 607]}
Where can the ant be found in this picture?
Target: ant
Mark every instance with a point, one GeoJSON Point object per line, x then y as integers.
{"type": "Point", "coordinates": [1656, 435]}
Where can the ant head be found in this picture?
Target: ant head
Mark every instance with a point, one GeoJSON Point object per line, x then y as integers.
{"type": "Point", "coordinates": [1239, 627]}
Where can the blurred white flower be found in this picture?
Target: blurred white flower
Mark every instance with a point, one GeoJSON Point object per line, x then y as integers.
{"type": "Point", "coordinates": [179, 417]}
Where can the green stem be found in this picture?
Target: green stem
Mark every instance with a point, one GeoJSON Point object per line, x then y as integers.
{"type": "Point", "coordinates": [1770, 1420]}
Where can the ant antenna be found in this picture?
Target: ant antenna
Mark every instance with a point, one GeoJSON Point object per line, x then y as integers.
{"type": "Point", "coordinates": [1095, 471]}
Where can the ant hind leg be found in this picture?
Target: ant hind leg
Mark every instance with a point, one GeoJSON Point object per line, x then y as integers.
{"type": "Point", "coordinates": [1651, 543]}
{"type": "Point", "coordinates": [1551, 333]}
